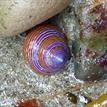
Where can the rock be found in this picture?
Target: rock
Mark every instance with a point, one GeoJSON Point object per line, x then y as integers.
{"type": "Point", "coordinates": [17, 16]}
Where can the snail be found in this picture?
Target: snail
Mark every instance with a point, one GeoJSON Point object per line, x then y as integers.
{"type": "Point", "coordinates": [45, 49]}
{"type": "Point", "coordinates": [28, 103]}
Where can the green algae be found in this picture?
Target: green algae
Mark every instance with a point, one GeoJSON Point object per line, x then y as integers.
{"type": "Point", "coordinates": [97, 44]}
{"type": "Point", "coordinates": [100, 102]}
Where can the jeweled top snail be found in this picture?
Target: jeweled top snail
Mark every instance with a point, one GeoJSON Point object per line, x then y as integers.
{"type": "Point", "coordinates": [45, 49]}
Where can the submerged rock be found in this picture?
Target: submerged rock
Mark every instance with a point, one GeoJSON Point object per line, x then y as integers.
{"type": "Point", "coordinates": [86, 27]}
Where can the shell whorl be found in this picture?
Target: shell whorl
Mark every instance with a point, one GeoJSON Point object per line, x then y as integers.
{"type": "Point", "coordinates": [45, 49]}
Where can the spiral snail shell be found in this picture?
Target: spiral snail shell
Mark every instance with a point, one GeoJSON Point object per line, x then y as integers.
{"type": "Point", "coordinates": [45, 49]}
